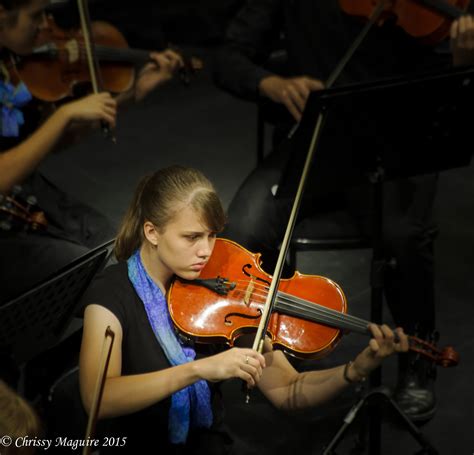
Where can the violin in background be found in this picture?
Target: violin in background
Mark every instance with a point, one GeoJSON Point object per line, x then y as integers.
{"type": "Point", "coordinates": [21, 213]}
{"type": "Point", "coordinates": [59, 63]}
{"type": "Point", "coordinates": [427, 20]}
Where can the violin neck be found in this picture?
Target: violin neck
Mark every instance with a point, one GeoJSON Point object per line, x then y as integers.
{"type": "Point", "coordinates": [122, 55]}
{"type": "Point", "coordinates": [443, 7]}
{"type": "Point", "coordinates": [103, 53]}
{"type": "Point", "coordinates": [295, 306]}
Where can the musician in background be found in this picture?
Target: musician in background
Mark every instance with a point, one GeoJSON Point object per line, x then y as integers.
{"type": "Point", "coordinates": [315, 36]}
{"type": "Point", "coordinates": [74, 228]}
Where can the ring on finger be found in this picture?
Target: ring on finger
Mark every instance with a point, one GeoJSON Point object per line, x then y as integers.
{"type": "Point", "coordinates": [247, 359]}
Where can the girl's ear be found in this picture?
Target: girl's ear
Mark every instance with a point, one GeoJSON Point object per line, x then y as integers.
{"type": "Point", "coordinates": [151, 233]}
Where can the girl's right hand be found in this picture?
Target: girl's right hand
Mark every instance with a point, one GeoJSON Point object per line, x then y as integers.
{"type": "Point", "coordinates": [245, 364]}
{"type": "Point", "coordinates": [100, 106]}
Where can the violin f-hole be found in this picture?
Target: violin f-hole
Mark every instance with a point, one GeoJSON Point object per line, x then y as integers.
{"type": "Point", "coordinates": [249, 266]}
{"type": "Point", "coordinates": [228, 322]}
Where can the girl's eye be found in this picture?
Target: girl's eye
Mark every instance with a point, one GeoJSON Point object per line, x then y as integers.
{"type": "Point", "coordinates": [192, 237]}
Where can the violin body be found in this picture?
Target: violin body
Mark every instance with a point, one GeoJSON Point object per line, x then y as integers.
{"type": "Point", "coordinates": [206, 316]}
{"type": "Point", "coordinates": [59, 63]}
{"type": "Point", "coordinates": [430, 24]}
{"type": "Point", "coordinates": [308, 319]}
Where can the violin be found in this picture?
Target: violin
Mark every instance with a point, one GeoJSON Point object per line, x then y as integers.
{"type": "Point", "coordinates": [20, 212]}
{"type": "Point", "coordinates": [309, 317]}
{"type": "Point", "coordinates": [60, 63]}
{"type": "Point", "coordinates": [427, 20]}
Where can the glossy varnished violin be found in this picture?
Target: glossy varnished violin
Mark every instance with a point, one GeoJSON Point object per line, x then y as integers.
{"type": "Point", "coordinates": [60, 61]}
{"type": "Point", "coordinates": [309, 317]}
{"type": "Point", "coordinates": [427, 20]}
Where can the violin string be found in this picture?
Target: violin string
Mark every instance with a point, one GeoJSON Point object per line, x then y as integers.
{"type": "Point", "coordinates": [291, 300]}
{"type": "Point", "coordinates": [313, 311]}
{"type": "Point", "coordinates": [110, 53]}
{"type": "Point", "coordinates": [311, 305]}
{"type": "Point", "coordinates": [119, 54]}
{"type": "Point", "coordinates": [333, 321]}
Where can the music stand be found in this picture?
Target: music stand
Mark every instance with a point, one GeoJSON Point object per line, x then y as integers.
{"type": "Point", "coordinates": [371, 133]}
{"type": "Point", "coordinates": [37, 320]}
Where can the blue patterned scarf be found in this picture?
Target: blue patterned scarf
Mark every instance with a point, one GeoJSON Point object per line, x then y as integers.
{"type": "Point", "coordinates": [11, 99]}
{"type": "Point", "coordinates": [193, 403]}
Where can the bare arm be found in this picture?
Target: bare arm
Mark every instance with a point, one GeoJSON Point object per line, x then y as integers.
{"type": "Point", "coordinates": [288, 389]}
{"type": "Point", "coordinates": [128, 394]}
{"type": "Point", "coordinates": [18, 162]}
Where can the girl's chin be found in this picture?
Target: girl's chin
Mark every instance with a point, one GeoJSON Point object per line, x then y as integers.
{"type": "Point", "coordinates": [188, 274]}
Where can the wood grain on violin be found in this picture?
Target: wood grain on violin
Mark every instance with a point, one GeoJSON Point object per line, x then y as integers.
{"type": "Point", "coordinates": [427, 20]}
{"type": "Point", "coordinates": [310, 313]}
{"type": "Point", "coordinates": [59, 62]}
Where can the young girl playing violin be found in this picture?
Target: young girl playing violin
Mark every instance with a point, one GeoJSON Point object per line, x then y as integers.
{"type": "Point", "coordinates": [73, 227]}
{"type": "Point", "coordinates": [160, 389]}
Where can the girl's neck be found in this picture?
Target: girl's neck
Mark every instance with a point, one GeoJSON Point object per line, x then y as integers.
{"type": "Point", "coordinates": [157, 271]}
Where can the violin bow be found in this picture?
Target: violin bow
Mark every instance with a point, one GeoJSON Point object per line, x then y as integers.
{"type": "Point", "coordinates": [109, 338]}
{"type": "Point", "coordinates": [92, 61]}
{"type": "Point", "coordinates": [272, 293]}
{"type": "Point", "coordinates": [378, 10]}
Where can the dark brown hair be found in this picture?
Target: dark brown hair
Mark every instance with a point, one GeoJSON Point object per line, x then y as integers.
{"type": "Point", "coordinates": [157, 199]}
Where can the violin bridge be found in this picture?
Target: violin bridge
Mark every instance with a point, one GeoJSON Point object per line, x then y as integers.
{"type": "Point", "coordinates": [72, 47]}
{"type": "Point", "coordinates": [248, 292]}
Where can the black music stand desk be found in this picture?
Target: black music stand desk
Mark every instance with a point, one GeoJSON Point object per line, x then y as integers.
{"type": "Point", "coordinates": [37, 320]}
{"type": "Point", "coordinates": [374, 132]}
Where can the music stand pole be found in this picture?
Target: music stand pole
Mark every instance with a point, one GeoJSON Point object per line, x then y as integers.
{"type": "Point", "coordinates": [384, 140]}
{"type": "Point", "coordinates": [376, 282]}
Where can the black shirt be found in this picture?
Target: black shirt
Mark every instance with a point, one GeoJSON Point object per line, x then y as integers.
{"type": "Point", "coordinates": [316, 34]}
{"type": "Point", "coordinates": [142, 353]}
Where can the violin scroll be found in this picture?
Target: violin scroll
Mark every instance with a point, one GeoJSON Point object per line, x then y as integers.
{"type": "Point", "coordinates": [18, 212]}
{"type": "Point", "coordinates": [445, 357]}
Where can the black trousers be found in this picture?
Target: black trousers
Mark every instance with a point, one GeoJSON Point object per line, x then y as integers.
{"type": "Point", "coordinates": [257, 220]}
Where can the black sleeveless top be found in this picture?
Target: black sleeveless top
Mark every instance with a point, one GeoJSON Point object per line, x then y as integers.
{"type": "Point", "coordinates": [141, 353]}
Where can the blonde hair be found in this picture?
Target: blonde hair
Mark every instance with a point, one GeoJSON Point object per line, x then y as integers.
{"type": "Point", "coordinates": [17, 419]}
{"type": "Point", "coordinates": [158, 198]}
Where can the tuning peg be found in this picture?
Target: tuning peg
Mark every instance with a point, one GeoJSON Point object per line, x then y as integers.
{"type": "Point", "coordinates": [31, 201]}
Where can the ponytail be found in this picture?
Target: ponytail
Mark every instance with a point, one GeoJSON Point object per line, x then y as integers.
{"type": "Point", "coordinates": [130, 235]}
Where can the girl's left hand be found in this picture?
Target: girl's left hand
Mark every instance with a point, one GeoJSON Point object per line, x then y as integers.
{"type": "Point", "coordinates": [382, 345]}
{"type": "Point", "coordinates": [462, 41]}
{"type": "Point", "coordinates": [164, 66]}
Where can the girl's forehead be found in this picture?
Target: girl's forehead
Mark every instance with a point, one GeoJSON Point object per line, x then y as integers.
{"type": "Point", "coordinates": [188, 218]}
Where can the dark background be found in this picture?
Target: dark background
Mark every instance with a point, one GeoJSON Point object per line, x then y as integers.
{"type": "Point", "coordinates": [203, 127]}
